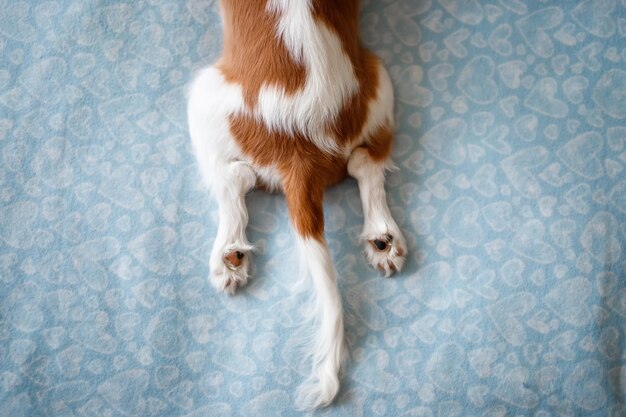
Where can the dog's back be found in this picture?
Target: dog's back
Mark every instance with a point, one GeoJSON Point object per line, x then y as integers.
{"type": "Point", "coordinates": [295, 103]}
{"type": "Point", "coordinates": [295, 61]}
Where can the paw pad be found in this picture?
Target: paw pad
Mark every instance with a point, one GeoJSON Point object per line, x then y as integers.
{"type": "Point", "coordinates": [233, 259]}
{"type": "Point", "coordinates": [382, 244]}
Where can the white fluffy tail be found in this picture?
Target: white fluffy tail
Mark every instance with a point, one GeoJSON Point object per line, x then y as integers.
{"type": "Point", "coordinates": [327, 314]}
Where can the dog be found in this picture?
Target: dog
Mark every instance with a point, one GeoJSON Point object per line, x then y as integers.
{"type": "Point", "coordinates": [295, 104]}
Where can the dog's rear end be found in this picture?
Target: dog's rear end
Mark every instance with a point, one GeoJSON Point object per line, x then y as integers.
{"type": "Point", "coordinates": [295, 104]}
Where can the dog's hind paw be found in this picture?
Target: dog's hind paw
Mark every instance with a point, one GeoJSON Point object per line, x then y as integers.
{"type": "Point", "coordinates": [386, 252]}
{"type": "Point", "coordinates": [231, 271]}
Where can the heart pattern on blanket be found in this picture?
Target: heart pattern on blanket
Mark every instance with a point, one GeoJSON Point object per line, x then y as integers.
{"type": "Point", "coordinates": [476, 80]}
{"type": "Point", "coordinates": [509, 138]}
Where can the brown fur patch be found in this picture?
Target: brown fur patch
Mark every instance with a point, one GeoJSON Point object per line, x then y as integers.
{"type": "Point", "coordinates": [253, 55]}
{"type": "Point", "coordinates": [349, 123]}
{"type": "Point", "coordinates": [305, 170]}
{"type": "Point", "coordinates": [342, 18]}
{"type": "Point", "coordinates": [378, 144]}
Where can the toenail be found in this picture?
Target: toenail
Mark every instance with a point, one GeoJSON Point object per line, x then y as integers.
{"type": "Point", "coordinates": [239, 255]}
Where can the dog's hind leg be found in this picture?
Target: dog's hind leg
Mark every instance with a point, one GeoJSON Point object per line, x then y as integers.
{"type": "Point", "coordinates": [230, 257]}
{"type": "Point", "coordinates": [211, 101]}
{"type": "Point", "coordinates": [385, 246]}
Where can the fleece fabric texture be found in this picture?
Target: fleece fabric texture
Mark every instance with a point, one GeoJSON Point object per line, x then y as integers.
{"type": "Point", "coordinates": [511, 191]}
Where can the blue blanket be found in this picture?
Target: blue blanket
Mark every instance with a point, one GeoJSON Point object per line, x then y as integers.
{"type": "Point", "coordinates": [511, 190]}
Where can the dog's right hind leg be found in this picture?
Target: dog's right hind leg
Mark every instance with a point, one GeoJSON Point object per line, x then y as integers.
{"type": "Point", "coordinates": [211, 101]}
{"type": "Point", "coordinates": [230, 256]}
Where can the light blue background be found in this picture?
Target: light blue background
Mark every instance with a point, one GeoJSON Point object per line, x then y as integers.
{"type": "Point", "coordinates": [511, 192]}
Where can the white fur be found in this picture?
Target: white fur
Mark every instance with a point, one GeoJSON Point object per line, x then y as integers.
{"type": "Point", "coordinates": [239, 178]}
{"type": "Point", "coordinates": [378, 221]}
{"type": "Point", "coordinates": [270, 177]}
{"type": "Point", "coordinates": [330, 81]}
{"type": "Point", "coordinates": [329, 349]}
{"type": "Point", "coordinates": [210, 102]}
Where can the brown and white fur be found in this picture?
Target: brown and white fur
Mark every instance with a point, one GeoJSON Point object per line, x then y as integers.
{"type": "Point", "coordinates": [296, 103]}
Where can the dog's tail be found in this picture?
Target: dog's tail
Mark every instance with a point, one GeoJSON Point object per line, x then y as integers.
{"type": "Point", "coordinates": [304, 199]}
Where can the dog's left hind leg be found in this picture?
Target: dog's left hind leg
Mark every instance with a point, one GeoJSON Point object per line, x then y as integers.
{"type": "Point", "coordinates": [385, 246]}
{"type": "Point", "coordinates": [230, 257]}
